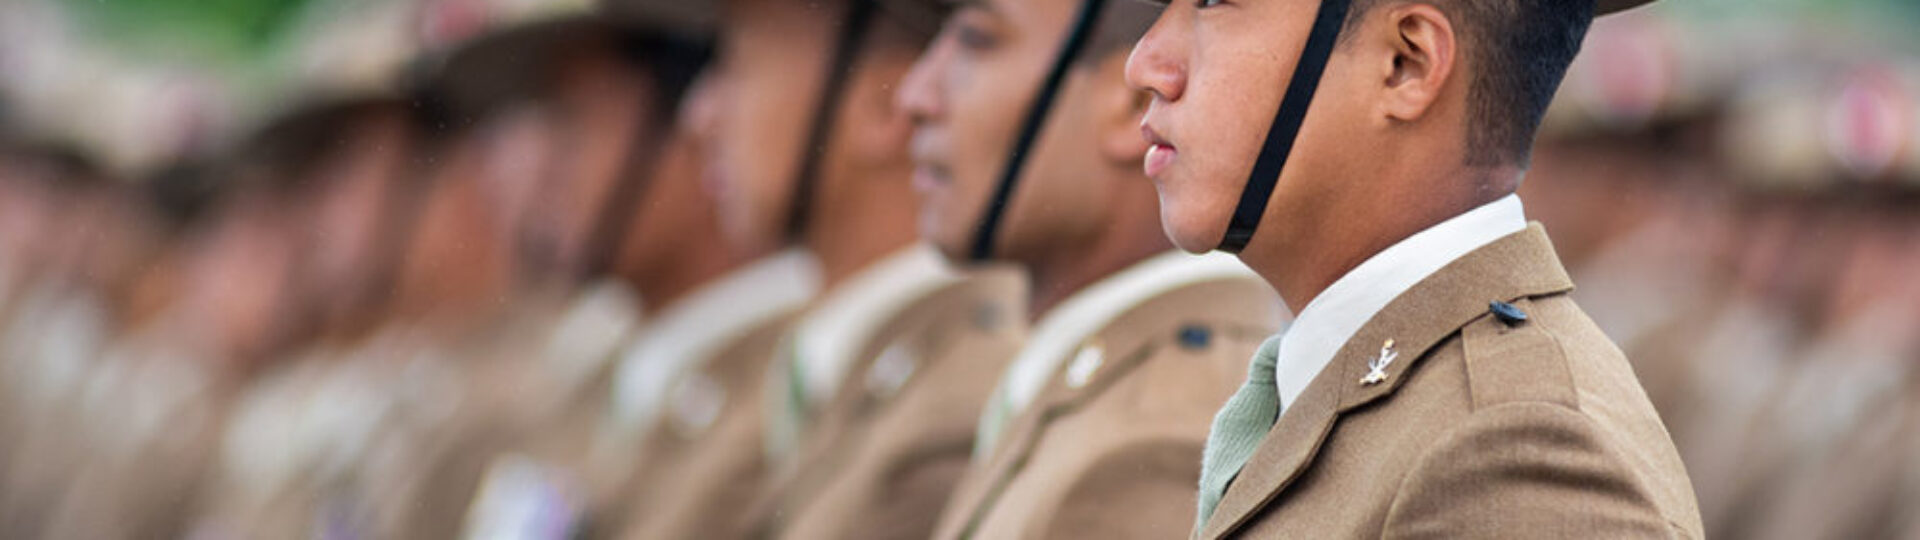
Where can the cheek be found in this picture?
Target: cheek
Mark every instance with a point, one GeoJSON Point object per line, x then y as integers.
{"type": "Point", "coordinates": [1227, 110]}
{"type": "Point", "coordinates": [981, 120]}
{"type": "Point", "coordinates": [760, 152]}
{"type": "Point", "coordinates": [1235, 117]}
{"type": "Point", "coordinates": [1195, 217]}
{"type": "Point", "coordinates": [1065, 193]}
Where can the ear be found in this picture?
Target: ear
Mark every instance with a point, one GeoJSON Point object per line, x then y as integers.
{"type": "Point", "coordinates": [1118, 110]}
{"type": "Point", "coordinates": [1423, 53]}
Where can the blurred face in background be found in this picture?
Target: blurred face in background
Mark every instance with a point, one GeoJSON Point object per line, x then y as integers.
{"type": "Point", "coordinates": [756, 101]}
{"type": "Point", "coordinates": [25, 208]}
{"type": "Point", "coordinates": [599, 104]}
{"type": "Point", "coordinates": [518, 147]}
{"type": "Point", "coordinates": [760, 97]}
{"type": "Point", "coordinates": [356, 191]}
{"type": "Point", "coordinates": [238, 299]}
{"type": "Point", "coordinates": [49, 214]}
{"type": "Point", "coordinates": [458, 251]}
{"type": "Point", "coordinates": [968, 96]}
{"type": "Point", "coordinates": [674, 216]}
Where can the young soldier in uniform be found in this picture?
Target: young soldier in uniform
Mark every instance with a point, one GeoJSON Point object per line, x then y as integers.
{"type": "Point", "coordinates": [806, 150]}
{"type": "Point", "coordinates": [1437, 380]}
{"type": "Point", "coordinates": [533, 402]}
{"type": "Point", "coordinates": [337, 164]}
{"type": "Point", "coordinates": [1096, 426]}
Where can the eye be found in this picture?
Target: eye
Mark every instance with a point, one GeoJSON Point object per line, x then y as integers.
{"type": "Point", "coordinates": [974, 38]}
{"type": "Point", "coordinates": [974, 31]}
{"type": "Point", "coordinates": [1204, 4]}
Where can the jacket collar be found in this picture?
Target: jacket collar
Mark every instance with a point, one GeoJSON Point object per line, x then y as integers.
{"type": "Point", "coordinates": [1520, 265]}
{"type": "Point", "coordinates": [1242, 304]}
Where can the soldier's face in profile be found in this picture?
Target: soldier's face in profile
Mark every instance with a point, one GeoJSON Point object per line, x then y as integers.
{"type": "Point", "coordinates": [968, 96]}
{"type": "Point", "coordinates": [760, 89]}
{"type": "Point", "coordinates": [674, 215]}
{"type": "Point", "coordinates": [1217, 71]}
{"type": "Point", "coordinates": [601, 105]}
{"type": "Point", "coordinates": [347, 211]}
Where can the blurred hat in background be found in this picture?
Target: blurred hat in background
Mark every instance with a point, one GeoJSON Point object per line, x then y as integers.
{"type": "Point", "coordinates": [483, 55]}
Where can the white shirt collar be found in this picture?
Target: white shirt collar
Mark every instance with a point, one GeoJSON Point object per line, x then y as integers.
{"type": "Point", "coordinates": [590, 331]}
{"type": "Point", "coordinates": [1325, 325]}
{"type": "Point", "coordinates": [840, 325]}
{"type": "Point", "coordinates": [1067, 325]}
{"type": "Point", "coordinates": [687, 332]}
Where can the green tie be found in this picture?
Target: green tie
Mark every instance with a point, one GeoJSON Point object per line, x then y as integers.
{"type": "Point", "coordinates": [1238, 429]}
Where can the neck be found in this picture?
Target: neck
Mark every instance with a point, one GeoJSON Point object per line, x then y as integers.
{"type": "Point", "coordinates": [858, 229]}
{"type": "Point", "coordinates": [670, 283]}
{"type": "Point", "coordinates": [1133, 235]}
{"type": "Point", "coordinates": [1300, 260]}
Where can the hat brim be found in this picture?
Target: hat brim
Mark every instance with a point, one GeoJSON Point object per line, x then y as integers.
{"type": "Point", "coordinates": [508, 65]}
{"type": "Point", "coordinates": [1605, 7]}
{"type": "Point", "coordinates": [688, 18]}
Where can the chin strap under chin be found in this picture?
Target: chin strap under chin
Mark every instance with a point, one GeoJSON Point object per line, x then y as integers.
{"type": "Point", "coordinates": [1286, 125]}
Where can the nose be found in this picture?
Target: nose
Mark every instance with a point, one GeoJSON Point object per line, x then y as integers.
{"type": "Point", "coordinates": [1158, 62]}
{"type": "Point", "coordinates": [919, 93]}
{"type": "Point", "coordinates": [700, 110]}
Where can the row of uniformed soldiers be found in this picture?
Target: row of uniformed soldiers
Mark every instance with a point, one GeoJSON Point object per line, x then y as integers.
{"type": "Point", "coordinates": [1763, 320]}
{"type": "Point", "coordinates": [1749, 240]}
{"type": "Point", "coordinates": [600, 276]}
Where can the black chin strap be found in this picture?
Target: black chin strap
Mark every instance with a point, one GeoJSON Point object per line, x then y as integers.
{"type": "Point", "coordinates": [853, 32]}
{"type": "Point", "coordinates": [1286, 125]}
{"type": "Point", "coordinates": [1077, 39]}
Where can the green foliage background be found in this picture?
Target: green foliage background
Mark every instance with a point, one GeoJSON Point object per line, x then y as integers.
{"type": "Point", "coordinates": [217, 30]}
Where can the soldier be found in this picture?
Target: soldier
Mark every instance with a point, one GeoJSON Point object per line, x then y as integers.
{"type": "Point", "coordinates": [570, 443]}
{"type": "Point", "coordinates": [146, 417]}
{"type": "Point", "coordinates": [320, 189]}
{"type": "Point", "coordinates": [528, 378]}
{"type": "Point", "coordinates": [57, 327]}
{"type": "Point", "coordinates": [1844, 418]}
{"type": "Point", "coordinates": [1437, 380]}
{"type": "Point", "coordinates": [821, 168]}
{"type": "Point", "coordinates": [1096, 426]}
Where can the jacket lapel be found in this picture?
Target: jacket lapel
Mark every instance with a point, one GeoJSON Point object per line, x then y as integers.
{"type": "Point", "coordinates": [1519, 265]}
{"type": "Point", "coordinates": [1125, 343]}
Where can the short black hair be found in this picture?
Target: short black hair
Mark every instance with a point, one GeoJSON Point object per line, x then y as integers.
{"type": "Point", "coordinates": [1522, 49]}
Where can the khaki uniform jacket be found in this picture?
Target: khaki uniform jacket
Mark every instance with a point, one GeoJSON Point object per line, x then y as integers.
{"type": "Point", "coordinates": [1485, 428]}
{"type": "Point", "coordinates": [1111, 447]}
{"type": "Point", "coordinates": [884, 454]}
{"type": "Point", "coordinates": [704, 461]}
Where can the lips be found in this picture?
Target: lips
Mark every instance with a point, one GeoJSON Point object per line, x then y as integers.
{"type": "Point", "coordinates": [930, 172]}
{"type": "Point", "coordinates": [928, 179]}
{"type": "Point", "coordinates": [1160, 154]}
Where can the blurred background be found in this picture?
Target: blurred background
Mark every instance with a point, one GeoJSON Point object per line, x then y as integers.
{"type": "Point", "coordinates": [288, 265]}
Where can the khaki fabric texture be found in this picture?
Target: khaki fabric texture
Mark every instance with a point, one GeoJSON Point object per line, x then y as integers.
{"type": "Point", "coordinates": [884, 454]}
{"type": "Point", "coordinates": [1483, 429]}
{"type": "Point", "coordinates": [695, 481]}
{"type": "Point", "coordinates": [1118, 455]}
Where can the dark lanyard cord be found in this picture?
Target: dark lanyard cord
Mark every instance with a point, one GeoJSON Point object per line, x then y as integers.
{"type": "Point", "coordinates": [1076, 41]}
{"type": "Point", "coordinates": [845, 52]}
{"type": "Point", "coordinates": [1286, 125]}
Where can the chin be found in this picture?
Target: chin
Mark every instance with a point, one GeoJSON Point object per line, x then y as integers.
{"type": "Point", "coordinates": [955, 252]}
{"type": "Point", "coordinates": [745, 234]}
{"type": "Point", "coordinates": [1191, 230]}
{"type": "Point", "coordinates": [951, 245]}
